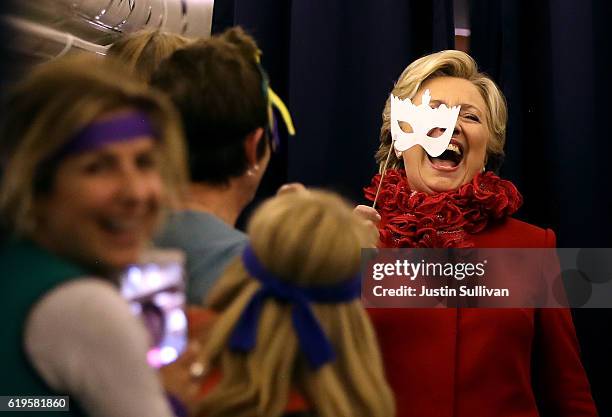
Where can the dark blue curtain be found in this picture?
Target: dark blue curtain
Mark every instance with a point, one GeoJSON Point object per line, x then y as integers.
{"type": "Point", "coordinates": [552, 59]}
{"type": "Point", "coordinates": [334, 62]}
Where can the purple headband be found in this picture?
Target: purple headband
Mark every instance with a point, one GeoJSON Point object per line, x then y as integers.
{"type": "Point", "coordinates": [122, 128]}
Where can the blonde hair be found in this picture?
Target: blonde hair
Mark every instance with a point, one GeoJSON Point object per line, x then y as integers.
{"type": "Point", "coordinates": [450, 64]}
{"type": "Point", "coordinates": [308, 239]}
{"type": "Point", "coordinates": [49, 107]}
{"type": "Point", "coordinates": [144, 50]}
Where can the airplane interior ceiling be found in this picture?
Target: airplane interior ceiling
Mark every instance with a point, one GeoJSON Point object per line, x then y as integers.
{"type": "Point", "coordinates": [45, 29]}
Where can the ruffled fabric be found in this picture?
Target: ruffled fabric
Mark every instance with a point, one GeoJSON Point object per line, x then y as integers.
{"type": "Point", "coordinates": [412, 219]}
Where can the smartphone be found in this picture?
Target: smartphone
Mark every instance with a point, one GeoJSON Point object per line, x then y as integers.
{"type": "Point", "coordinates": [155, 290]}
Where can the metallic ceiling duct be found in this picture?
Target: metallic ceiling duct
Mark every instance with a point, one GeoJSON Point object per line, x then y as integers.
{"type": "Point", "coordinates": [48, 28]}
{"type": "Point", "coordinates": [188, 17]}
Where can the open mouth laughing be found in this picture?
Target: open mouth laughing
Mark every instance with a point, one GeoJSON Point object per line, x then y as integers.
{"type": "Point", "coordinates": [450, 159]}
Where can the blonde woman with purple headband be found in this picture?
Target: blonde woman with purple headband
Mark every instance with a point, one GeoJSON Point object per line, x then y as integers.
{"type": "Point", "coordinates": [89, 163]}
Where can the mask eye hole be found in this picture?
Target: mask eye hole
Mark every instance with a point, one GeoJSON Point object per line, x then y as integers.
{"type": "Point", "coordinates": [405, 126]}
{"type": "Point", "coordinates": [436, 132]}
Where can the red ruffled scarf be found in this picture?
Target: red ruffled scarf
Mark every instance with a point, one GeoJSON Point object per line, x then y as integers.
{"type": "Point", "coordinates": [412, 219]}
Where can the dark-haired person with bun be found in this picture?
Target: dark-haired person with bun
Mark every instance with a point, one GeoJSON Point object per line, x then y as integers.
{"type": "Point", "coordinates": [223, 97]}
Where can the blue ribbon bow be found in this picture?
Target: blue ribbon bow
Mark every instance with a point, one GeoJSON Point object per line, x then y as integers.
{"type": "Point", "coordinates": [312, 339]}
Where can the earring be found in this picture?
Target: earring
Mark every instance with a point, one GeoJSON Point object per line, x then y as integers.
{"type": "Point", "coordinates": [197, 369]}
{"type": "Point", "coordinates": [484, 169]}
{"type": "Point", "coordinates": [253, 170]}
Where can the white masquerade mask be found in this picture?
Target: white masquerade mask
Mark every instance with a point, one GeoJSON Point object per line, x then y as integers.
{"type": "Point", "coordinates": [422, 119]}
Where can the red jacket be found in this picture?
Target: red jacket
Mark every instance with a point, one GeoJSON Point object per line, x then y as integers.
{"type": "Point", "coordinates": [485, 362]}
